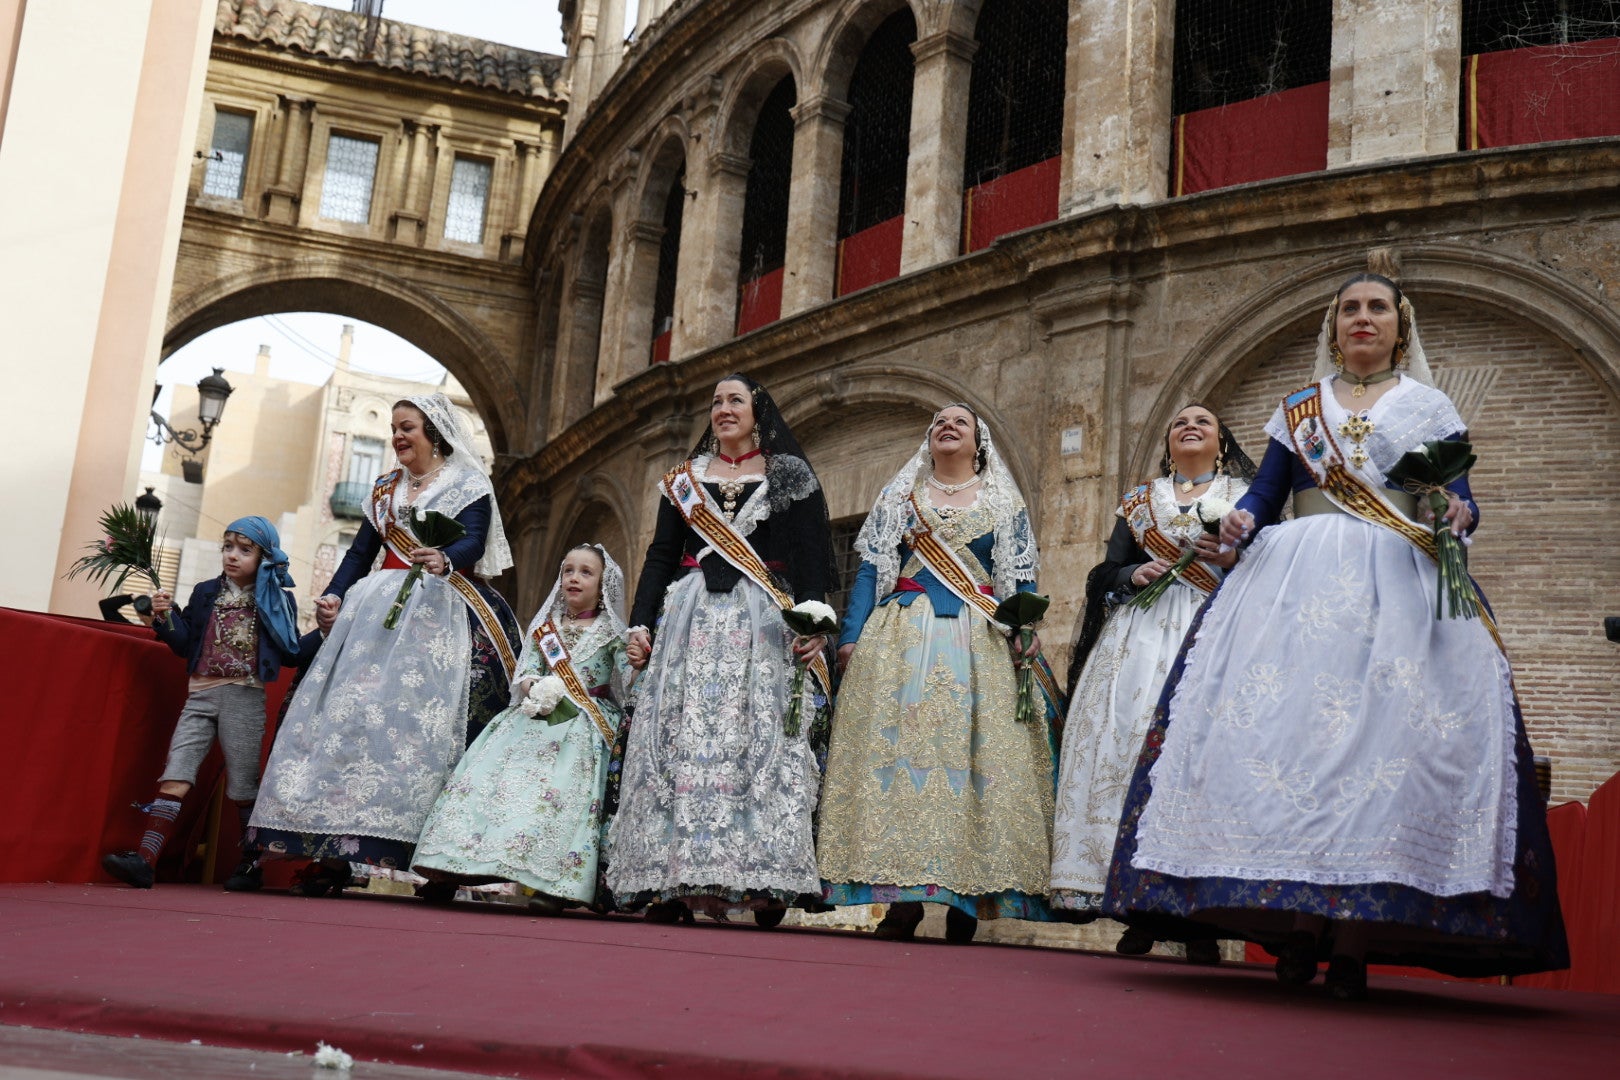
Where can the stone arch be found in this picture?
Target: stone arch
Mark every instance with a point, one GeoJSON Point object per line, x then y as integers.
{"type": "Point", "coordinates": [757, 74]}
{"type": "Point", "coordinates": [668, 157]}
{"type": "Point", "coordinates": [816, 400]}
{"type": "Point", "coordinates": [359, 290]}
{"type": "Point", "coordinates": [599, 512]}
{"type": "Point", "coordinates": [1273, 317]}
{"type": "Point", "coordinates": [841, 46]}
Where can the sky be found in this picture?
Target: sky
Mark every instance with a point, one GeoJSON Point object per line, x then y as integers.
{"type": "Point", "coordinates": [304, 345]}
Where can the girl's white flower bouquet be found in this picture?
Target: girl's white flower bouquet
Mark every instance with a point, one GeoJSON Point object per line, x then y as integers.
{"type": "Point", "coordinates": [548, 697]}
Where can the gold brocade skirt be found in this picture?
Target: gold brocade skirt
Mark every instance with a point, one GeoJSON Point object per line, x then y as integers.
{"type": "Point", "coordinates": [930, 778]}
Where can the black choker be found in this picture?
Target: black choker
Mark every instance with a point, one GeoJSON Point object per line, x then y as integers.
{"type": "Point", "coordinates": [1188, 483]}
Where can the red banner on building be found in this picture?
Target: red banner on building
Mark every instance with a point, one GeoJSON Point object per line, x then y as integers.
{"type": "Point", "coordinates": [1018, 200]}
{"type": "Point", "coordinates": [1276, 135]}
{"type": "Point", "coordinates": [1542, 94]}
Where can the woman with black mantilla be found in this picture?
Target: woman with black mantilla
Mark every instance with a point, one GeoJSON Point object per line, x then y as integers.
{"type": "Point", "coordinates": [717, 799]}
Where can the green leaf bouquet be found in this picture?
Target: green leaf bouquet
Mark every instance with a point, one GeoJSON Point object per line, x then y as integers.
{"type": "Point", "coordinates": [434, 530]}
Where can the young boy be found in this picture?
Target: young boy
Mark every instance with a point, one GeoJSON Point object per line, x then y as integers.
{"type": "Point", "coordinates": [236, 633]}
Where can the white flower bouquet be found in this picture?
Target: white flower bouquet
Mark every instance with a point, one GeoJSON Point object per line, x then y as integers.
{"type": "Point", "coordinates": [806, 619]}
{"type": "Point", "coordinates": [548, 697]}
{"type": "Point", "coordinates": [1211, 509]}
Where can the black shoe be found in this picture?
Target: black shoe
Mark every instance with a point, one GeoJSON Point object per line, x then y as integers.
{"type": "Point", "coordinates": [247, 877]}
{"type": "Point", "coordinates": [546, 904]}
{"type": "Point", "coordinates": [668, 912]}
{"type": "Point", "coordinates": [128, 867]}
{"type": "Point", "coordinates": [437, 893]}
{"type": "Point", "coordinates": [1296, 963]}
{"type": "Point", "coordinates": [317, 879]}
{"type": "Point", "coordinates": [1346, 979]}
{"type": "Point", "coordinates": [1206, 951]}
{"type": "Point", "coordinates": [769, 918]}
{"type": "Point", "coordinates": [1134, 942]}
{"type": "Point", "coordinates": [900, 922]}
{"type": "Point", "coordinates": [959, 927]}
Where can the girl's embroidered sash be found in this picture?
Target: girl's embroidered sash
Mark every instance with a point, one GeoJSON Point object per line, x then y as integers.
{"type": "Point", "coordinates": [400, 542]}
{"type": "Point", "coordinates": [1138, 507]}
{"type": "Point", "coordinates": [680, 485]}
{"type": "Point", "coordinates": [943, 562]}
{"type": "Point", "coordinates": [1319, 452]}
{"type": "Point", "coordinates": [557, 657]}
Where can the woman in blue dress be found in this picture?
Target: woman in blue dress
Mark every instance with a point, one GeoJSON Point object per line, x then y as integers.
{"type": "Point", "coordinates": [1333, 771]}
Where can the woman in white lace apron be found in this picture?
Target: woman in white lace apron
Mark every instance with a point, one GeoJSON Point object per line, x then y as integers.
{"type": "Point", "coordinates": [526, 802]}
{"type": "Point", "coordinates": [935, 792]}
{"type": "Point", "coordinates": [383, 714]}
{"type": "Point", "coordinates": [1333, 771]}
{"type": "Point", "coordinates": [1124, 652]}
{"type": "Point", "coordinates": [717, 795]}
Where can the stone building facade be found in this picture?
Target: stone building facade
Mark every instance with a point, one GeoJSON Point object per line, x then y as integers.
{"type": "Point", "coordinates": [1077, 339]}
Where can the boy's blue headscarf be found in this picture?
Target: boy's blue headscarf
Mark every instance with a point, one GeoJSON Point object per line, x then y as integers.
{"type": "Point", "coordinates": [275, 605]}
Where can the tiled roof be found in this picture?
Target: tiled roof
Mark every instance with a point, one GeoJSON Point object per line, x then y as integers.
{"type": "Point", "coordinates": [413, 50]}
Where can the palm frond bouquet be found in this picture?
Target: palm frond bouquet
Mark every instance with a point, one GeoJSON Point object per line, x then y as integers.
{"type": "Point", "coordinates": [125, 550]}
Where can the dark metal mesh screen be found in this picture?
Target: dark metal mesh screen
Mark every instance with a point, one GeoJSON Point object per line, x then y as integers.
{"type": "Point", "coordinates": [845, 561]}
{"type": "Point", "coordinates": [1015, 105]}
{"type": "Point", "coordinates": [1494, 25]}
{"type": "Point", "coordinates": [765, 208]}
{"type": "Point", "coordinates": [1233, 50]}
{"type": "Point", "coordinates": [877, 134]}
{"type": "Point", "coordinates": [669, 250]}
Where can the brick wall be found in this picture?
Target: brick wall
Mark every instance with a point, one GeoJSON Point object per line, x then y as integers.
{"type": "Point", "coordinates": [1548, 437]}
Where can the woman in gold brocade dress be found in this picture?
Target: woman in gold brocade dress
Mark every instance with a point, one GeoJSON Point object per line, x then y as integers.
{"type": "Point", "coordinates": [934, 791]}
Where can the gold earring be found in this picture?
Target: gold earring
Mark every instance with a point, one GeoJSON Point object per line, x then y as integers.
{"type": "Point", "coordinates": [756, 436]}
{"type": "Point", "coordinates": [1338, 357]}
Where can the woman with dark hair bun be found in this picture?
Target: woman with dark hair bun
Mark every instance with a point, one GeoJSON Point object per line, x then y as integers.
{"type": "Point", "coordinates": [1119, 661]}
{"type": "Point", "coordinates": [1335, 769]}
{"type": "Point", "coordinates": [718, 787]}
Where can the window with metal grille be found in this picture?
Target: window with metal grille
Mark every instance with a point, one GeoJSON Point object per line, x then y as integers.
{"type": "Point", "coordinates": [1015, 102]}
{"type": "Point", "coordinates": [469, 200]}
{"type": "Point", "coordinates": [1495, 25]}
{"type": "Point", "coordinates": [351, 167]}
{"type": "Point", "coordinates": [233, 132]}
{"type": "Point", "coordinates": [365, 459]}
{"type": "Point", "coordinates": [846, 562]}
{"type": "Point", "coordinates": [765, 207]}
{"type": "Point", "coordinates": [669, 250]}
{"type": "Point", "coordinates": [877, 132]}
{"type": "Point", "coordinates": [1228, 51]}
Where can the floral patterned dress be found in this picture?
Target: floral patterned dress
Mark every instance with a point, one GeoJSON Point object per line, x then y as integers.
{"type": "Point", "coordinates": [526, 803]}
{"type": "Point", "coordinates": [934, 791]}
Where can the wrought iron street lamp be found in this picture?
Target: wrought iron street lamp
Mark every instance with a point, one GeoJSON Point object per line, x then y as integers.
{"type": "Point", "coordinates": [149, 506]}
{"type": "Point", "coordinates": [212, 390]}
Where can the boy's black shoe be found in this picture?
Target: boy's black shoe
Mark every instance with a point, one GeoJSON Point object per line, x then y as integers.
{"type": "Point", "coordinates": [247, 877]}
{"type": "Point", "coordinates": [128, 867]}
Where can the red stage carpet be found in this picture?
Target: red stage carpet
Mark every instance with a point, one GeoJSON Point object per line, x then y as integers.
{"type": "Point", "coordinates": [499, 992]}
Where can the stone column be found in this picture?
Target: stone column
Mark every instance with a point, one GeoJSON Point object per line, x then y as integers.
{"type": "Point", "coordinates": [408, 224]}
{"type": "Point", "coordinates": [1396, 71]}
{"type": "Point", "coordinates": [1116, 113]}
{"type": "Point", "coordinates": [517, 218]}
{"type": "Point", "coordinates": [812, 235]}
{"type": "Point", "coordinates": [939, 111]}
{"type": "Point", "coordinates": [579, 351]}
{"type": "Point", "coordinates": [711, 244]}
{"type": "Point", "coordinates": [281, 199]}
{"type": "Point", "coordinates": [609, 43]}
{"type": "Point", "coordinates": [632, 281]}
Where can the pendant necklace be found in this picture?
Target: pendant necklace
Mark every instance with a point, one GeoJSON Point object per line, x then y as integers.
{"type": "Point", "coordinates": [952, 489]}
{"type": "Point", "coordinates": [1187, 483]}
{"type": "Point", "coordinates": [1357, 428]}
{"type": "Point", "coordinates": [1364, 381]}
{"type": "Point", "coordinates": [736, 462]}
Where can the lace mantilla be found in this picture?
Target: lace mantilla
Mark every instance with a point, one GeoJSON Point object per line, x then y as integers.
{"type": "Point", "coordinates": [1014, 557]}
{"type": "Point", "coordinates": [464, 481]}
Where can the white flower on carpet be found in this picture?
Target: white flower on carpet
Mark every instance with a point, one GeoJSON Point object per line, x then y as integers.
{"type": "Point", "coordinates": [330, 1057]}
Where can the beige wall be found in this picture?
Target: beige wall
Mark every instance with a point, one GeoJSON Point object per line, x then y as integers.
{"type": "Point", "coordinates": [87, 267]}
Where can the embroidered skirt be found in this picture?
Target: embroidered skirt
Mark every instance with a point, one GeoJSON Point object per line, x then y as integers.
{"type": "Point", "coordinates": [377, 723]}
{"type": "Point", "coordinates": [715, 802]}
{"type": "Point", "coordinates": [1108, 718]}
{"type": "Point", "coordinates": [934, 791]}
{"type": "Point", "coordinates": [1325, 746]}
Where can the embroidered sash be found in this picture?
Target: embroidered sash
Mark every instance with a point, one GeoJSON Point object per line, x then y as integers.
{"type": "Point", "coordinates": [400, 542]}
{"type": "Point", "coordinates": [943, 562]}
{"type": "Point", "coordinates": [1144, 523]}
{"type": "Point", "coordinates": [680, 485]}
{"type": "Point", "coordinates": [1319, 452]}
{"type": "Point", "coordinates": [557, 657]}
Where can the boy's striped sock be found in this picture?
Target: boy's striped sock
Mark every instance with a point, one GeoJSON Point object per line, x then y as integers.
{"type": "Point", "coordinates": [160, 815]}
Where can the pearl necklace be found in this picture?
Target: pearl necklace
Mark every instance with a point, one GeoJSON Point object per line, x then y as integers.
{"type": "Point", "coordinates": [952, 489]}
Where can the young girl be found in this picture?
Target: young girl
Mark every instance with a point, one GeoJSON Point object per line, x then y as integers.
{"type": "Point", "coordinates": [526, 802]}
{"type": "Point", "coordinates": [235, 634]}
